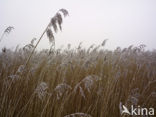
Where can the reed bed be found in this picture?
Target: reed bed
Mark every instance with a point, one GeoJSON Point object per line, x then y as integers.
{"type": "Point", "coordinates": [77, 82]}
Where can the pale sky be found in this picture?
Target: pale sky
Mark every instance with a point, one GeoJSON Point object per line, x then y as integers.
{"type": "Point", "coordinates": [123, 22]}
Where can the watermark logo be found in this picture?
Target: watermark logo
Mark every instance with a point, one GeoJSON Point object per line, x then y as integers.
{"type": "Point", "coordinates": [125, 110]}
{"type": "Point", "coordinates": [136, 110]}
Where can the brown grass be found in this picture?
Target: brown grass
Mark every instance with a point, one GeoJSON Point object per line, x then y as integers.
{"type": "Point", "coordinates": [76, 82]}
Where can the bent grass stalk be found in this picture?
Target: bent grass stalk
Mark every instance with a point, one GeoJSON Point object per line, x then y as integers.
{"type": "Point", "coordinates": [57, 19]}
{"type": "Point", "coordinates": [36, 46]}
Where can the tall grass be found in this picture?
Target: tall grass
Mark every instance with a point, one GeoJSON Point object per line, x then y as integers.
{"type": "Point", "coordinates": [55, 23]}
{"type": "Point", "coordinates": [78, 82]}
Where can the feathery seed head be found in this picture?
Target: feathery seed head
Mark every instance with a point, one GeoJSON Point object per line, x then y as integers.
{"type": "Point", "coordinates": [78, 115]}
{"type": "Point", "coordinates": [62, 89]}
{"type": "Point", "coordinates": [64, 11]}
{"type": "Point", "coordinates": [104, 42]}
{"type": "Point", "coordinates": [41, 90]}
{"type": "Point", "coordinates": [8, 29]}
{"type": "Point", "coordinates": [50, 35]}
{"type": "Point", "coordinates": [56, 21]}
{"type": "Point", "coordinates": [20, 69]}
{"type": "Point", "coordinates": [59, 20]}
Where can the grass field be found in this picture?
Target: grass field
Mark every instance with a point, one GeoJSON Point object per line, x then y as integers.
{"type": "Point", "coordinates": [79, 82]}
{"type": "Point", "coordinates": [76, 82]}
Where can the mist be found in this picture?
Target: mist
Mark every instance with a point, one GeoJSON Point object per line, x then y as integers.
{"type": "Point", "coordinates": [123, 23]}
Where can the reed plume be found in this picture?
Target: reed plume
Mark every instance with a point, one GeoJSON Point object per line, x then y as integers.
{"type": "Point", "coordinates": [56, 20]}
{"type": "Point", "coordinates": [6, 31]}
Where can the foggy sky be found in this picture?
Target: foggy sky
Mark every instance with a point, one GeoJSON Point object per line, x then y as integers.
{"type": "Point", "coordinates": [123, 22]}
